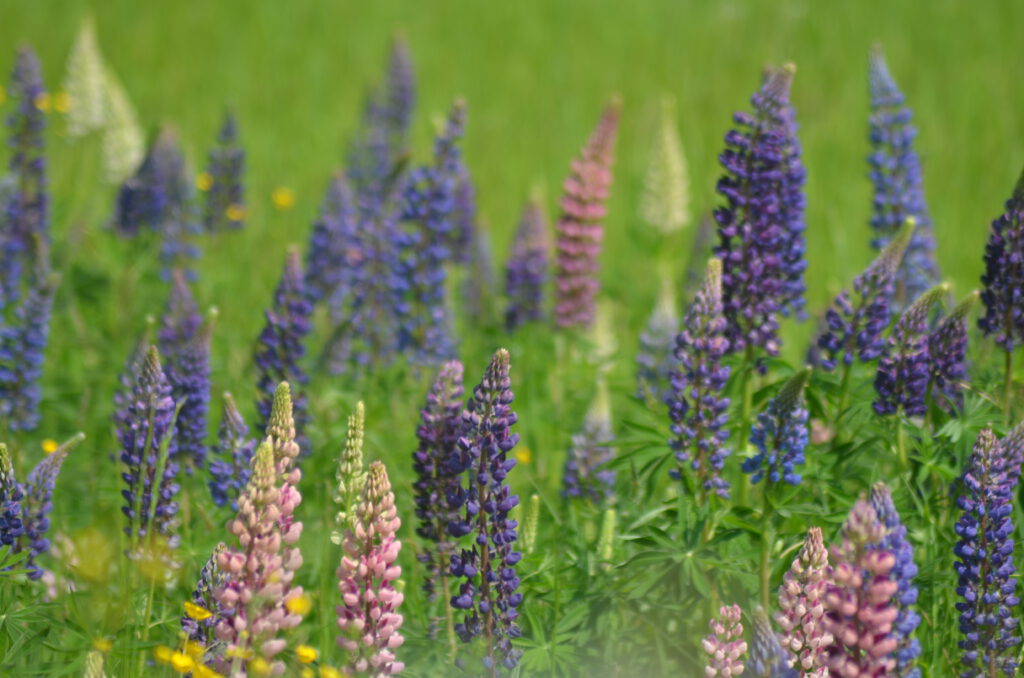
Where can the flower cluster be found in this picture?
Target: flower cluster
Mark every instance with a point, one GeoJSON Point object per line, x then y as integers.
{"type": "Point", "coordinates": [1004, 274]}
{"type": "Point", "coordinates": [350, 476]}
{"type": "Point", "coordinates": [665, 204]}
{"type": "Point", "coordinates": [585, 475]}
{"type": "Point", "coordinates": [947, 355]}
{"type": "Point", "coordinates": [801, 614]}
{"type": "Point", "coordinates": [654, 358]}
{"type": "Point", "coordinates": [333, 247]}
{"type": "Point", "coordinates": [230, 471]}
{"type": "Point", "coordinates": [780, 435]}
{"type": "Point", "coordinates": [768, 658]}
{"type": "Point", "coordinates": [200, 616]}
{"type": "Point", "coordinates": [526, 271]}
{"type": "Point", "coordinates": [724, 646]}
{"type": "Point", "coordinates": [11, 494]}
{"type": "Point", "coordinates": [225, 199]}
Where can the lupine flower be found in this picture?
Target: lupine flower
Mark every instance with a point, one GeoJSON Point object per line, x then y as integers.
{"type": "Point", "coordinates": [333, 247]}
{"type": "Point", "coordinates": [350, 476]}
{"type": "Point", "coordinates": [903, 370]}
{"type": "Point", "coordinates": [464, 215]}
{"type": "Point", "coordinates": [700, 250]}
{"type": "Point", "coordinates": [189, 375]}
{"type": "Point", "coordinates": [85, 83]}
{"type": "Point", "coordinates": [801, 614]}
{"type": "Point", "coordinates": [780, 435]}
{"type": "Point", "coordinates": [854, 326]}
{"type": "Point", "coordinates": [793, 203]}
{"type": "Point", "coordinates": [438, 434]}
{"type": "Point", "coordinates": [479, 286]}
{"type": "Point", "coordinates": [201, 617]}
{"type": "Point", "coordinates": [130, 374]}
{"type": "Point", "coordinates": [123, 143]}
{"type": "Point", "coordinates": [146, 435]}
{"type": "Point", "coordinates": [282, 343]}
{"type": "Point", "coordinates": [368, 616]}
{"type": "Point", "coordinates": [768, 658]}
{"type": "Point", "coordinates": [655, 358]}
{"type": "Point", "coordinates": [947, 355]}
{"type": "Point", "coordinates": [896, 542]}
{"type": "Point", "coordinates": [697, 410]}
{"type": "Point", "coordinates": [584, 475]}
{"type": "Point", "coordinates": [580, 228]}
{"type": "Point", "coordinates": [11, 494]}
{"type": "Point", "coordinates": [225, 199]}
{"type": "Point", "coordinates": [231, 470]}
{"type": "Point", "coordinates": [1004, 274]}
{"type": "Point", "coordinates": [488, 594]}
{"type": "Point", "coordinates": [985, 569]}
{"type": "Point", "coordinates": [526, 271]}
{"type": "Point", "coordinates": [861, 599]}
{"type": "Point", "coordinates": [896, 176]}
{"type": "Point", "coordinates": [665, 204]}
{"type": "Point", "coordinates": [724, 646]}
{"type": "Point", "coordinates": [1013, 451]}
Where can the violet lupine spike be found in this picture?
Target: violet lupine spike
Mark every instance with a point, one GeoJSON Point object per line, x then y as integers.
{"type": "Point", "coordinates": [282, 344]}
{"type": "Point", "coordinates": [1004, 274]}
{"type": "Point", "coordinates": [655, 357]}
{"type": "Point", "coordinates": [22, 349]}
{"type": "Point", "coordinates": [780, 435]}
{"type": "Point", "coordinates": [854, 323]}
{"type": "Point", "coordinates": [181, 316]}
{"type": "Point", "coordinates": [580, 228]}
{"type": "Point", "coordinates": [700, 250]}
{"type": "Point", "coordinates": [189, 375]}
{"type": "Point", "coordinates": [895, 172]}
{"type": "Point", "coordinates": [224, 206]}
{"type": "Point", "coordinates": [231, 469]}
{"type": "Point", "coordinates": [11, 495]}
{"type": "Point", "coordinates": [526, 271]}
{"type": "Point", "coordinates": [724, 646]}
{"type": "Point", "coordinates": [436, 476]}
{"type": "Point", "coordinates": [130, 373]}
{"type": "Point", "coordinates": [333, 250]}
{"type": "Point", "coordinates": [1013, 450]}
{"type": "Point", "coordinates": [211, 578]}
{"type": "Point", "coordinates": [488, 595]}
{"type": "Point", "coordinates": [368, 616]}
{"type": "Point", "coordinates": [464, 216]}
{"type": "Point", "coordinates": [584, 475]}
{"type": "Point", "coordinates": [860, 601]}
{"type": "Point", "coordinates": [947, 355]}
{"type": "Point", "coordinates": [901, 382]}
{"type": "Point", "coordinates": [697, 409]}
{"type": "Point", "coordinates": [985, 568]}
{"type": "Point", "coordinates": [768, 658]}
{"type": "Point", "coordinates": [801, 614]}
{"type": "Point", "coordinates": [896, 542]}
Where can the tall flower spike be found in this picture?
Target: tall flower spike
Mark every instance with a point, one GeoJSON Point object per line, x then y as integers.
{"type": "Point", "coordinates": [200, 620]}
{"type": "Point", "coordinates": [896, 542]}
{"type": "Point", "coordinates": [11, 494]}
{"type": "Point", "coordinates": [665, 204]}
{"type": "Point", "coordinates": [697, 409]}
{"type": "Point", "coordinates": [334, 249]}
{"type": "Point", "coordinates": [368, 616]}
{"type": "Point", "coordinates": [901, 382]}
{"type": "Point", "coordinates": [895, 172]}
{"type": "Point", "coordinates": [585, 475]}
{"type": "Point", "coordinates": [854, 326]}
{"type": "Point", "coordinates": [700, 250]}
{"type": "Point", "coordinates": [37, 503]}
{"type": "Point", "coordinates": [1004, 274]}
{"type": "Point", "coordinates": [526, 271]}
{"type": "Point", "coordinates": [654, 359]}
{"type": "Point", "coordinates": [801, 614]}
{"type": "Point", "coordinates": [780, 435]}
{"type": "Point", "coordinates": [464, 215]}
{"type": "Point", "coordinates": [724, 646]}
{"type": "Point", "coordinates": [479, 286]}
{"type": "Point", "coordinates": [1013, 450]}
{"type": "Point", "coordinates": [123, 143]}
{"type": "Point", "coordinates": [768, 658]}
{"type": "Point", "coordinates": [861, 599]}
{"type": "Point", "coordinates": [985, 568]}
{"type": "Point", "coordinates": [189, 375]}
{"type": "Point", "coordinates": [947, 355]}
{"type": "Point", "coordinates": [580, 228]}
{"type": "Point", "coordinates": [488, 595]}
{"type": "Point", "coordinates": [225, 198]}
{"type": "Point", "coordinates": [85, 83]}
{"type": "Point", "coordinates": [350, 476]}
{"type": "Point", "coordinates": [231, 469]}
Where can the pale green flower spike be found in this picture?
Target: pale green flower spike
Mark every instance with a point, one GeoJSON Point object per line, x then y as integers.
{"type": "Point", "coordinates": [529, 536]}
{"type": "Point", "coordinates": [281, 429]}
{"type": "Point", "coordinates": [665, 204]}
{"type": "Point", "coordinates": [350, 476]}
{"type": "Point", "coordinates": [85, 83]}
{"type": "Point", "coordinates": [604, 343]}
{"type": "Point", "coordinates": [123, 142]}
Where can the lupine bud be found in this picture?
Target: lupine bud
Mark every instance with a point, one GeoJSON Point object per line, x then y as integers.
{"type": "Point", "coordinates": [780, 435]}
{"type": "Point", "coordinates": [584, 475]}
{"type": "Point", "coordinates": [725, 648]}
{"type": "Point", "coordinates": [654, 359]}
{"type": "Point", "coordinates": [85, 83]}
{"type": "Point", "coordinates": [225, 197]}
{"type": "Point", "coordinates": [1004, 274]}
{"type": "Point", "coordinates": [231, 470]}
{"type": "Point", "coordinates": [526, 272]}
{"type": "Point", "coordinates": [947, 355]}
{"type": "Point", "coordinates": [665, 204]}
{"type": "Point", "coordinates": [350, 476]}
{"type": "Point", "coordinates": [801, 614]}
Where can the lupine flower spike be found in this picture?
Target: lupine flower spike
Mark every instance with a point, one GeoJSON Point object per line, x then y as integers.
{"type": "Point", "coordinates": [368, 616]}
{"type": "Point", "coordinates": [350, 476]}
{"type": "Point", "coordinates": [333, 248]}
{"type": "Point", "coordinates": [123, 143]}
{"type": "Point", "coordinates": [725, 648]}
{"type": "Point", "coordinates": [780, 435]}
{"type": "Point", "coordinates": [697, 409]}
{"type": "Point", "coordinates": [85, 83]}
{"type": "Point", "coordinates": [947, 355]}
{"type": "Point", "coordinates": [768, 658]}
{"type": "Point", "coordinates": [225, 195]}
{"type": "Point", "coordinates": [11, 494]}
{"type": "Point", "coordinates": [655, 359]}
{"type": "Point", "coordinates": [231, 469]}
{"type": "Point", "coordinates": [801, 614]}
{"type": "Point", "coordinates": [580, 228]}
{"type": "Point", "coordinates": [585, 476]}
{"type": "Point", "coordinates": [665, 204]}
{"type": "Point", "coordinates": [985, 567]}
{"type": "Point", "coordinates": [861, 599]}
{"type": "Point", "coordinates": [201, 616]}
{"type": "Point", "coordinates": [190, 386]}
{"type": "Point", "coordinates": [526, 271]}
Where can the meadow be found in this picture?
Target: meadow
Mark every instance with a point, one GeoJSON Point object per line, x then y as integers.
{"type": "Point", "coordinates": [623, 581]}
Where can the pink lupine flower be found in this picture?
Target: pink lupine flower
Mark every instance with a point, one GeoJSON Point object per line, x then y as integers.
{"type": "Point", "coordinates": [802, 607]}
{"type": "Point", "coordinates": [725, 646]}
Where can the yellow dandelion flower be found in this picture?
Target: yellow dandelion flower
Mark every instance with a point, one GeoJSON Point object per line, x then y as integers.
{"type": "Point", "coordinates": [524, 455]}
{"type": "Point", "coordinates": [200, 671]}
{"type": "Point", "coordinates": [300, 605]}
{"type": "Point", "coordinates": [259, 667]}
{"type": "Point", "coordinates": [235, 212]}
{"type": "Point", "coordinates": [204, 181]}
{"type": "Point", "coordinates": [329, 672]}
{"type": "Point", "coordinates": [306, 672]}
{"type": "Point", "coordinates": [181, 662]}
{"type": "Point", "coordinates": [306, 654]}
{"type": "Point", "coordinates": [283, 198]}
{"type": "Point", "coordinates": [62, 102]}
{"type": "Point", "coordinates": [43, 102]}
{"type": "Point", "coordinates": [194, 649]}
{"type": "Point", "coordinates": [50, 446]}
{"type": "Point", "coordinates": [102, 644]}
{"type": "Point", "coordinates": [196, 612]}
{"type": "Point", "coordinates": [163, 654]}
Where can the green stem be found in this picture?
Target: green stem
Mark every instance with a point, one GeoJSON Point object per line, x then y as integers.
{"type": "Point", "coordinates": [1008, 386]}
{"type": "Point", "coordinates": [449, 614]}
{"type": "Point", "coordinates": [745, 415]}
{"type": "Point", "coordinates": [145, 625]}
{"type": "Point", "coordinates": [767, 537]}
{"type": "Point", "coordinates": [901, 442]}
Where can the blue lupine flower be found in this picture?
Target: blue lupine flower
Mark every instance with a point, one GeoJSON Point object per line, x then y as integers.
{"type": "Point", "coordinates": [584, 475]}
{"type": "Point", "coordinates": [526, 272]}
{"type": "Point", "coordinates": [1004, 274]}
{"type": "Point", "coordinates": [780, 435]}
{"type": "Point", "coordinates": [211, 578]}
{"type": "Point", "coordinates": [37, 503]}
{"type": "Point", "coordinates": [947, 355]}
{"type": "Point", "coordinates": [224, 206]}
{"type": "Point", "coordinates": [231, 469]}
{"type": "Point", "coordinates": [896, 176]}
{"type": "Point", "coordinates": [768, 658]}
{"type": "Point", "coordinates": [334, 249]}
{"type": "Point", "coordinates": [11, 494]}
{"type": "Point", "coordinates": [655, 358]}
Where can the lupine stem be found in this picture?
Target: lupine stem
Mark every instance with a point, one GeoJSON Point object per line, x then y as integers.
{"type": "Point", "coordinates": [1008, 385]}
{"type": "Point", "coordinates": [901, 443]}
{"type": "Point", "coordinates": [767, 537]}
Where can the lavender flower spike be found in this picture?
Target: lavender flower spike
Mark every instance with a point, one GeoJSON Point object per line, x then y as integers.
{"type": "Point", "coordinates": [585, 475]}
{"type": "Point", "coordinates": [947, 355]}
{"type": "Point", "coordinates": [724, 646]}
{"type": "Point", "coordinates": [225, 198]}
{"type": "Point", "coordinates": [1004, 275]}
{"type": "Point", "coordinates": [526, 271]}
{"type": "Point", "coordinates": [11, 494]}
{"type": "Point", "coordinates": [654, 359]}
{"type": "Point", "coordinates": [902, 378]}
{"type": "Point", "coordinates": [985, 567]}
{"type": "Point", "coordinates": [580, 228]}
{"type": "Point", "coordinates": [697, 409]}
{"type": "Point", "coordinates": [801, 614]}
{"type": "Point", "coordinates": [780, 435]}
{"type": "Point", "coordinates": [189, 375]}
{"type": "Point", "coordinates": [231, 470]}
{"type": "Point", "coordinates": [854, 326]}
{"type": "Point", "coordinates": [334, 249]}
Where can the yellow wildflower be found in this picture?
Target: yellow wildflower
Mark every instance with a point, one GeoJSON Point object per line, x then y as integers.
{"type": "Point", "coordinates": [43, 102]}
{"type": "Point", "coordinates": [300, 605]}
{"type": "Point", "coordinates": [163, 654]}
{"type": "Point", "coordinates": [102, 644]}
{"type": "Point", "coordinates": [200, 671]}
{"type": "Point", "coordinates": [194, 649]}
{"type": "Point", "coordinates": [524, 455]}
{"type": "Point", "coordinates": [240, 652]}
{"type": "Point", "coordinates": [305, 654]}
{"type": "Point", "coordinates": [204, 181]}
{"type": "Point", "coordinates": [259, 667]}
{"type": "Point", "coordinates": [62, 102]}
{"type": "Point", "coordinates": [306, 672]}
{"type": "Point", "coordinates": [283, 198]}
{"type": "Point", "coordinates": [196, 612]}
{"type": "Point", "coordinates": [181, 662]}
{"type": "Point", "coordinates": [235, 212]}
{"type": "Point", "coordinates": [329, 672]}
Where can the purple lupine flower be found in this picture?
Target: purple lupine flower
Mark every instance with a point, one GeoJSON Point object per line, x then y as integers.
{"type": "Point", "coordinates": [231, 470]}
{"type": "Point", "coordinates": [11, 494]}
{"type": "Point", "coordinates": [768, 658]}
{"type": "Point", "coordinates": [282, 343]}
{"type": "Point", "coordinates": [901, 382]}
{"type": "Point", "coordinates": [1013, 450]}
{"type": "Point", "coordinates": [896, 542]}
{"type": "Point", "coordinates": [895, 172]}
{"type": "Point", "coordinates": [130, 373]}
{"type": "Point", "coordinates": [985, 569]}
{"type": "Point", "coordinates": [655, 359]}
{"type": "Point", "coordinates": [697, 260]}
{"type": "Point", "coordinates": [479, 286]}
{"type": "Point", "coordinates": [37, 503]}
{"type": "Point", "coordinates": [860, 601]}
{"type": "Point", "coordinates": [724, 646]}
{"type": "Point", "coordinates": [854, 326]}
{"type": "Point", "coordinates": [526, 271]}
{"type": "Point", "coordinates": [947, 355]}
{"type": "Point", "coordinates": [333, 251]}
{"type": "Point", "coordinates": [584, 475]}
{"type": "Point", "coordinates": [793, 203]}
{"type": "Point", "coordinates": [488, 595]}
{"type": "Point", "coordinates": [696, 407]}
{"type": "Point", "coordinates": [801, 614]}
{"type": "Point", "coordinates": [780, 435]}
{"type": "Point", "coordinates": [580, 228]}
{"type": "Point", "coordinates": [146, 435]}
{"type": "Point", "coordinates": [224, 206]}
{"type": "Point", "coordinates": [1004, 274]}
{"type": "Point", "coordinates": [211, 578]}
{"type": "Point", "coordinates": [437, 472]}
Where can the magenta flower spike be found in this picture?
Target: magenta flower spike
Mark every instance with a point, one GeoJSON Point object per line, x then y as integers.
{"type": "Point", "coordinates": [725, 646]}
{"type": "Point", "coordinates": [801, 614]}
